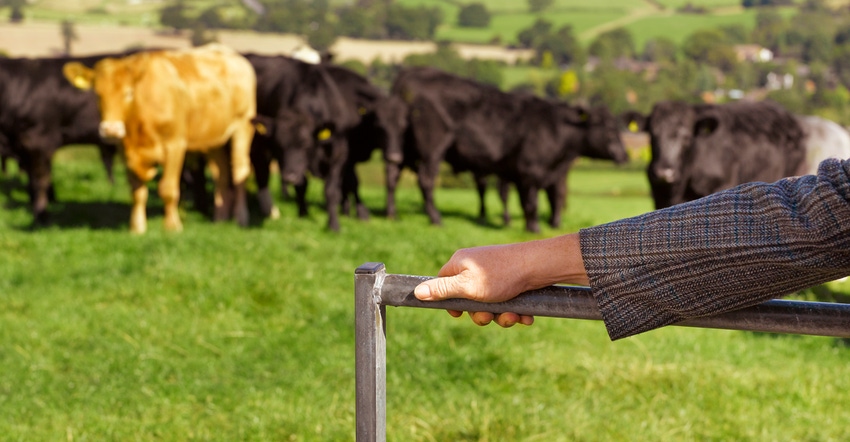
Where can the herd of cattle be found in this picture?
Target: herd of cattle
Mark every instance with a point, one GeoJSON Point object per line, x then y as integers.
{"type": "Point", "coordinates": [242, 111]}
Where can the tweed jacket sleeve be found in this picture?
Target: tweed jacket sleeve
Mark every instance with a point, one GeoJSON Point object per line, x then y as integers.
{"type": "Point", "coordinates": [732, 249]}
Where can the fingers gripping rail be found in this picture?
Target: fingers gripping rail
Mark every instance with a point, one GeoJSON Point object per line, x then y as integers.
{"type": "Point", "coordinates": [375, 289]}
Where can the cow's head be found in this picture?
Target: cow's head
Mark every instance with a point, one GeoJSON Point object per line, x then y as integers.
{"type": "Point", "coordinates": [295, 134]}
{"type": "Point", "coordinates": [602, 139]}
{"type": "Point", "coordinates": [391, 114]}
{"type": "Point", "coordinates": [671, 130]}
{"type": "Point", "coordinates": [112, 79]}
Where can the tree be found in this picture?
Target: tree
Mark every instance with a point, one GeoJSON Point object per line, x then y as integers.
{"type": "Point", "coordinates": [200, 35]}
{"type": "Point", "coordinates": [16, 14]}
{"type": "Point", "coordinates": [69, 34]}
{"type": "Point", "coordinates": [613, 44]}
{"type": "Point", "coordinates": [708, 47]}
{"type": "Point", "coordinates": [174, 16]}
{"type": "Point", "coordinates": [539, 5]}
{"type": "Point", "coordinates": [659, 50]}
{"type": "Point", "coordinates": [562, 46]}
{"type": "Point", "coordinates": [531, 36]}
{"type": "Point", "coordinates": [770, 31]}
{"type": "Point", "coordinates": [413, 23]}
{"type": "Point", "coordinates": [474, 15]}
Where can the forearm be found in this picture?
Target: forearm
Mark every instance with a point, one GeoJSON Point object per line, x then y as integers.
{"type": "Point", "coordinates": [551, 261]}
{"type": "Point", "coordinates": [727, 251]}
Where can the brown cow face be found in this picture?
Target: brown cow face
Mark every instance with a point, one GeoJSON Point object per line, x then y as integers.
{"type": "Point", "coordinates": [112, 81]}
{"type": "Point", "coordinates": [114, 85]}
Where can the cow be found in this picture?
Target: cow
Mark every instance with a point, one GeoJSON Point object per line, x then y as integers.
{"type": "Point", "coordinates": [381, 126]}
{"type": "Point", "coordinates": [161, 104]}
{"type": "Point", "coordinates": [350, 118]}
{"type": "Point", "coordinates": [522, 139]}
{"type": "Point", "coordinates": [698, 149]}
{"type": "Point", "coordinates": [823, 139]}
{"type": "Point", "coordinates": [288, 85]}
{"type": "Point", "coordinates": [39, 113]}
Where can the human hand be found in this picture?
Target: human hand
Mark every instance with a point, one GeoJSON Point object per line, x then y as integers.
{"type": "Point", "coordinates": [499, 273]}
{"type": "Point", "coordinates": [484, 274]}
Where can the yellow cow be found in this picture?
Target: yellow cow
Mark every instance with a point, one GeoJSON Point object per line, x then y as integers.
{"type": "Point", "coordinates": [161, 104]}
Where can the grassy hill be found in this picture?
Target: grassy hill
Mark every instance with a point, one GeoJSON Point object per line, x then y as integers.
{"type": "Point", "coordinates": [645, 18]}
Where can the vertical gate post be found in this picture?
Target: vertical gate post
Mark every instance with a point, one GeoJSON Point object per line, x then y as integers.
{"type": "Point", "coordinates": [370, 353]}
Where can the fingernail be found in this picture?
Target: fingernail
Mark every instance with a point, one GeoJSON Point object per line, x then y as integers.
{"type": "Point", "coordinates": [422, 292]}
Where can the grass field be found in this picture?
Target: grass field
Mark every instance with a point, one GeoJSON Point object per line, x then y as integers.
{"type": "Point", "coordinates": [222, 333]}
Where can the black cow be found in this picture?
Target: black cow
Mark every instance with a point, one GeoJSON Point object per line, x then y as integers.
{"type": "Point", "coordinates": [381, 126]}
{"type": "Point", "coordinates": [40, 112]}
{"type": "Point", "coordinates": [286, 85]}
{"type": "Point", "coordinates": [351, 118]}
{"type": "Point", "coordinates": [522, 139]}
{"type": "Point", "coordinates": [699, 149]}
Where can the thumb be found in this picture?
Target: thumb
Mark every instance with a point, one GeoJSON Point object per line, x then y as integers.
{"type": "Point", "coordinates": [438, 289]}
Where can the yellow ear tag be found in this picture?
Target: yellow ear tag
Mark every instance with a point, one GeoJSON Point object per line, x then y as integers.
{"type": "Point", "coordinates": [261, 128]}
{"type": "Point", "coordinates": [633, 127]}
{"type": "Point", "coordinates": [81, 83]}
{"type": "Point", "coordinates": [323, 134]}
{"type": "Point", "coordinates": [361, 110]}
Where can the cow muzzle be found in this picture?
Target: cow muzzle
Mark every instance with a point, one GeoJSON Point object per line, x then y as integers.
{"type": "Point", "coordinates": [112, 130]}
{"type": "Point", "coordinates": [666, 174]}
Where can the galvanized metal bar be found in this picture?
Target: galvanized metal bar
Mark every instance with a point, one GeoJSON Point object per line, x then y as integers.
{"type": "Point", "coordinates": [775, 316]}
{"type": "Point", "coordinates": [370, 353]}
{"type": "Point", "coordinates": [375, 289]}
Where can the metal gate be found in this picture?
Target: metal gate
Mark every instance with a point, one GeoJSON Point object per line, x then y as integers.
{"type": "Point", "coordinates": [374, 289]}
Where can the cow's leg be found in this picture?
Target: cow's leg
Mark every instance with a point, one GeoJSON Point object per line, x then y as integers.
{"type": "Point", "coordinates": [351, 186]}
{"type": "Point", "coordinates": [261, 160]}
{"type": "Point", "coordinates": [393, 173]}
{"type": "Point", "coordinates": [528, 199]}
{"type": "Point", "coordinates": [107, 157]}
{"type": "Point", "coordinates": [301, 197]}
{"type": "Point", "coordinates": [240, 161]}
{"type": "Point", "coordinates": [40, 183]}
{"type": "Point", "coordinates": [347, 190]}
{"type": "Point", "coordinates": [222, 192]}
{"type": "Point", "coordinates": [481, 185]}
{"type": "Point", "coordinates": [504, 190]}
{"type": "Point", "coordinates": [3, 166]}
{"type": "Point", "coordinates": [169, 184]}
{"type": "Point", "coordinates": [557, 194]}
{"type": "Point", "coordinates": [138, 218]}
{"type": "Point", "coordinates": [333, 182]}
{"type": "Point", "coordinates": [194, 173]}
{"type": "Point", "coordinates": [428, 172]}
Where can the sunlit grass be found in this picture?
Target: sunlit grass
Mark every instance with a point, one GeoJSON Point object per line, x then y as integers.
{"type": "Point", "coordinates": [223, 333]}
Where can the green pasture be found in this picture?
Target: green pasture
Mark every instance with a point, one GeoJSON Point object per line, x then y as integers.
{"type": "Point", "coordinates": [223, 333]}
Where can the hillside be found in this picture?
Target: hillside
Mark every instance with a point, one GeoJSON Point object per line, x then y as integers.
{"type": "Point", "coordinates": [644, 18]}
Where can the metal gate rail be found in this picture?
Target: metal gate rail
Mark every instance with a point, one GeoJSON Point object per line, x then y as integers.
{"type": "Point", "coordinates": [375, 289]}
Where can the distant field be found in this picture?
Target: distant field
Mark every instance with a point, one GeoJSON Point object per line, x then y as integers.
{"type": "Point", "coordinates": [645, 19]}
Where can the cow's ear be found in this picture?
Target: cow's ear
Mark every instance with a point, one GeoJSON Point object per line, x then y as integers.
{"type": "Point", "coordinates": [79, 75]}
{"type": "Point", "coordinates": [325, 132]}
{"type": "Point", "coordinates": [706, 126]}
{"type": "Point", "coordinates": [633, 121]}
{"type": "Point", "coordinates": [263, 125]}
{"type": "Point", "coordinates": [576, 115]}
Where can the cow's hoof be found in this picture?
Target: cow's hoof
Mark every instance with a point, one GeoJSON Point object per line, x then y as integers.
{"type": "Point", "coordinates": [173, 226]}
{"type": "Point", "coordinates": [274, 213]}
{"type": "Point", "coordinates": [362, 213]}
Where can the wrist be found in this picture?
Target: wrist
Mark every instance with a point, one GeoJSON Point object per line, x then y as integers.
{"type": "Point", "coordinates": [556, 261]}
